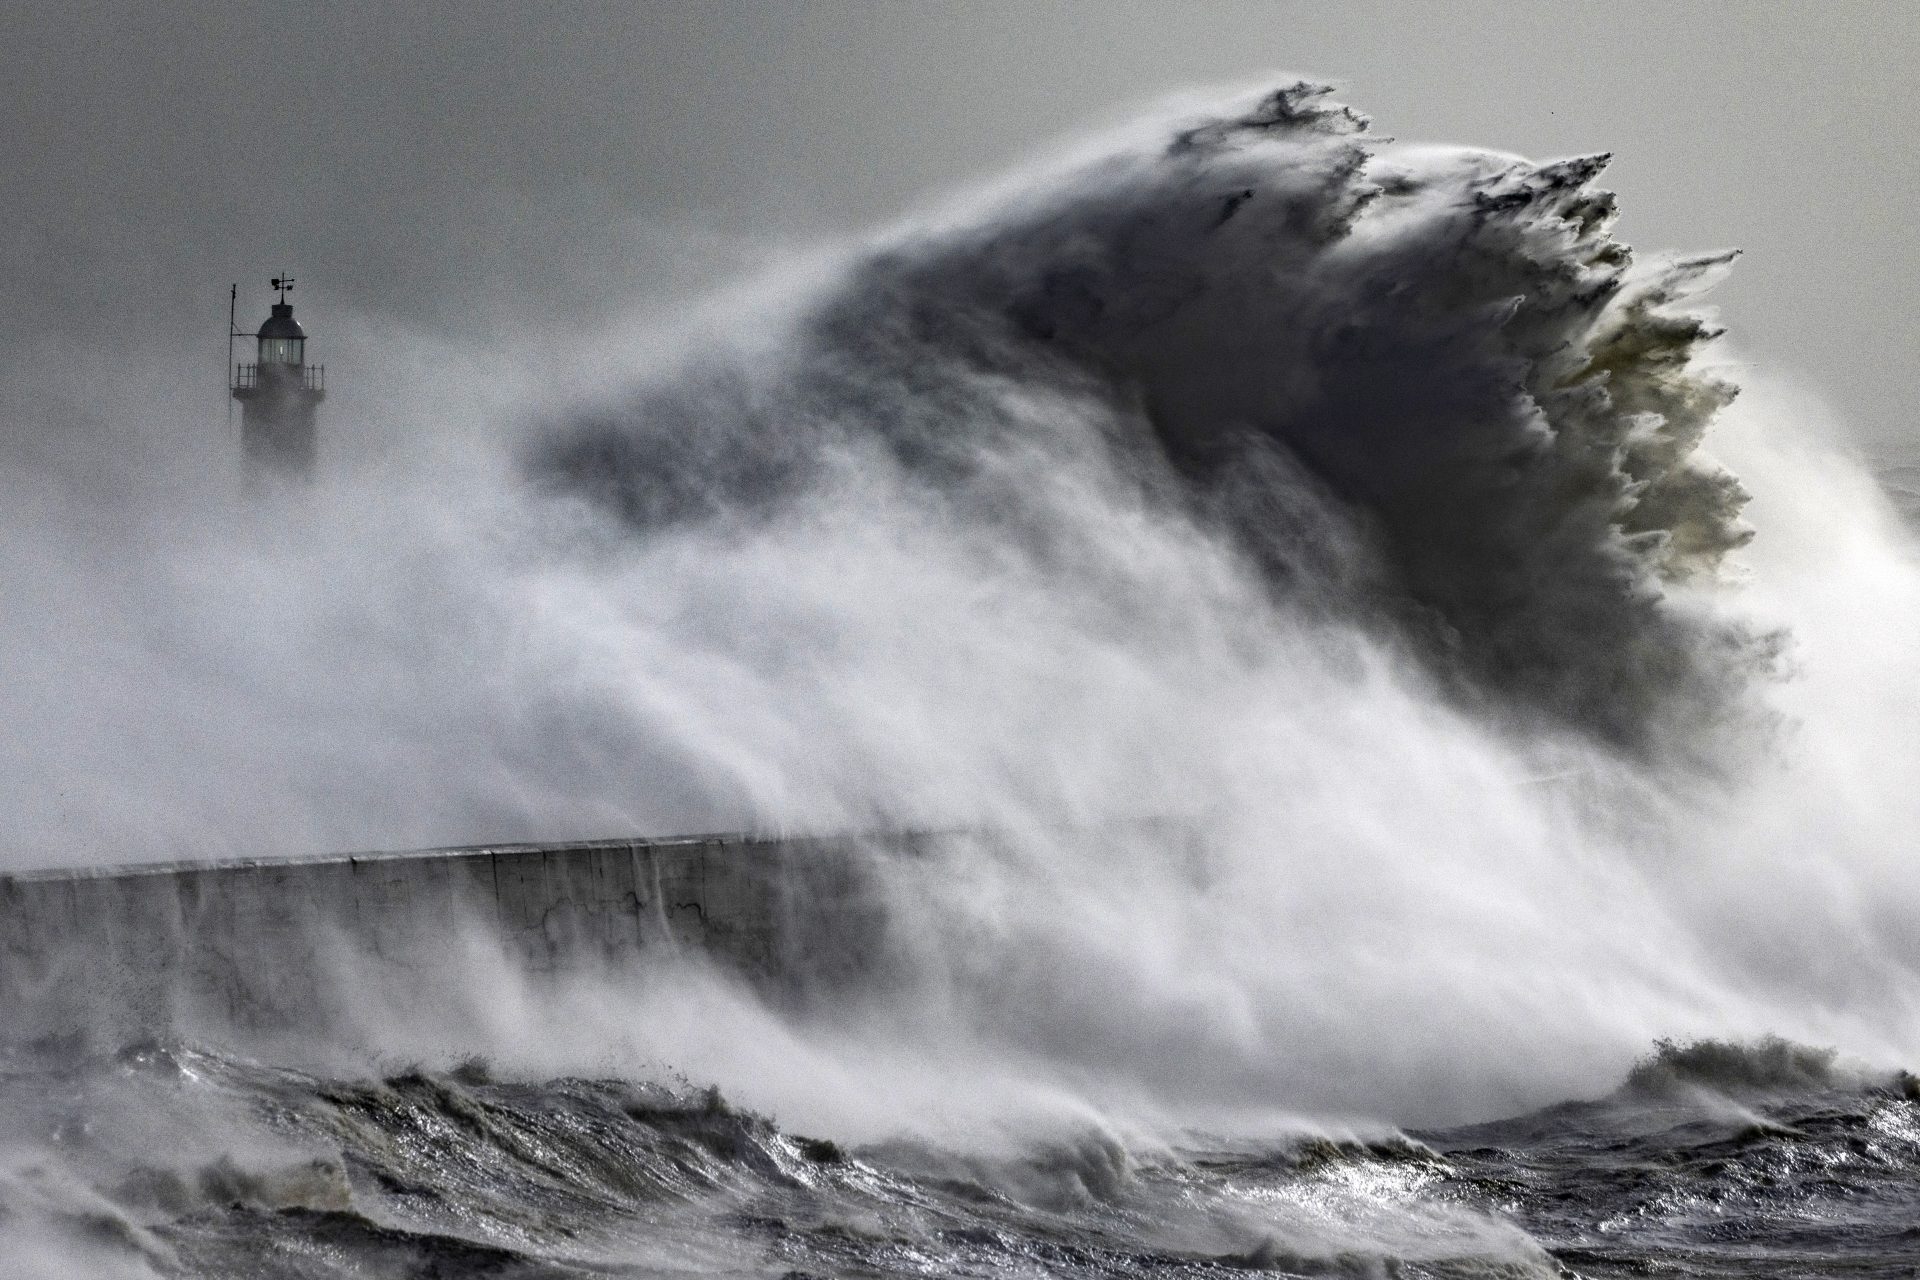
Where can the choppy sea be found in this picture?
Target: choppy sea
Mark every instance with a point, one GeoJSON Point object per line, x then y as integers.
{"type": "Point", "coordinates": [167, 1159]}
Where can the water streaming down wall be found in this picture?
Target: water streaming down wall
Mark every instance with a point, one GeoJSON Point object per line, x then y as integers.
{"type": "Point", "coordinates": [261, 945]}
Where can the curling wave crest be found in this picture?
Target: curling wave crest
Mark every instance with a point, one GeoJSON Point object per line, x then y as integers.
{"type": "Point", "coordinates": [1424, 388]}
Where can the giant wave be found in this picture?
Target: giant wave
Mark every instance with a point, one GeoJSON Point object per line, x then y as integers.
{"type": "Point", "coordinates": [1345, 501]}
{"type": "Point", "coordinates": [1422, 386]}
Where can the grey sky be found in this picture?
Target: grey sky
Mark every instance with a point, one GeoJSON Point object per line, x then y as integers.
{"type": "Point", "coordinates": [559, 159]}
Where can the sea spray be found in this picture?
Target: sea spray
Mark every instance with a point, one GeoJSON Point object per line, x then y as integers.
{"type": "Point", "coordinates": [1442, 356]}
{"type": "Point", "coordinates": [1345, 500]}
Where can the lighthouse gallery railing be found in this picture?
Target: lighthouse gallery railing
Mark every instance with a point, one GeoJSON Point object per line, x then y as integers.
{"type": "Point", "coordinates": [246, 377]}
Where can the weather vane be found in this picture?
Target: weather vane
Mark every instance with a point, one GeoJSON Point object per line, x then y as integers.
{"type": "Point", "coordinates": [282, 283]}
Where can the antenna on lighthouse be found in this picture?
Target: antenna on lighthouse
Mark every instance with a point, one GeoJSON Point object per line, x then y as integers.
{"type": "Point", "coordinates": [233, 331]}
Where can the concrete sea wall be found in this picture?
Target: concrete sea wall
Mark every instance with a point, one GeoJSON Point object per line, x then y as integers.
{"type": "Point", "coordinates": [260, 945]}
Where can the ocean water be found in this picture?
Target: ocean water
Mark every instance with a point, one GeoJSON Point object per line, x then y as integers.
{"type": "Point", "coordinates": [1709, 1160]}
{"type": "Point", "coordinates": [1547, 704]}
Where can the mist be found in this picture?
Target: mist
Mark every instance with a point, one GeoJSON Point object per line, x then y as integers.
{"type": "Point", "coordinates": [1500, 776]}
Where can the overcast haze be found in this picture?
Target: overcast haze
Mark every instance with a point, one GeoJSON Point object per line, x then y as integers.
{"type": "Point", "coordinates": [455, 166]}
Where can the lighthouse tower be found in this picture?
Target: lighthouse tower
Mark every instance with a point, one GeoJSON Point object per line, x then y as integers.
{"type": "Point", "coordinates": [279, 395]}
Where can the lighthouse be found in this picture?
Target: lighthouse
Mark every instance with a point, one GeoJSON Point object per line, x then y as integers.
{"type": "Point", "coordinates": [279, 395]}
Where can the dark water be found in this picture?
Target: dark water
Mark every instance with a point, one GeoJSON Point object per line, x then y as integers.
{"type": "Point", "coordinates": [171, 1160]}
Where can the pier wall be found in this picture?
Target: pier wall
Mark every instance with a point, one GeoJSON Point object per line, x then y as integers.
{"type": "Point", "coordinates": [256, 945]}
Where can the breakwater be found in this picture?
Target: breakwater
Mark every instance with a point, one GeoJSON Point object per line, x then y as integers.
{"type": "Point", "coordinates": [260, 945]}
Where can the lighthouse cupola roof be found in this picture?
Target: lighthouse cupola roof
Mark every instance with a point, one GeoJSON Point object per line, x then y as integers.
{"type": "Point", "coordinates": [282, 341]}
{"type": "Point", "coordinates": [281, 324]}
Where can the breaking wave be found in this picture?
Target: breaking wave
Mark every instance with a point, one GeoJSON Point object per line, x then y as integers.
{"type": "Point", "coordinates": [1345, 502]}
{"type": "Point", "coordinates": [1424, 388]}
{"type": "Point", "coordinates": [1768, 1065]}
{"type": "Point", "coordinates": [457, 1172]}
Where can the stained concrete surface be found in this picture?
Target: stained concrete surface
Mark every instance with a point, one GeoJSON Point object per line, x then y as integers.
{"type": "Point", "coordinates": [264, 945]}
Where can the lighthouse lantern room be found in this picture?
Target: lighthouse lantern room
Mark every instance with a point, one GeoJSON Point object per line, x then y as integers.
{"type": "Point", "coordinates": [279, 395]}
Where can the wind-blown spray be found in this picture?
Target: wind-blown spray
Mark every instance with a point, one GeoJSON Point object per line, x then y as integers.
{"type": "Point", "coordinates": [1437, 361]}
{"type": "Point", "coordinates": [1341, 501]}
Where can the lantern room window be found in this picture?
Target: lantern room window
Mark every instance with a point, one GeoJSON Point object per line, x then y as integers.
{"type": "Point", "coordinates": [281, 350]}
